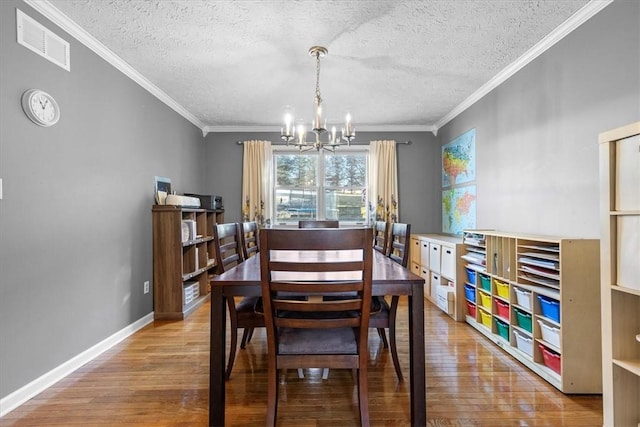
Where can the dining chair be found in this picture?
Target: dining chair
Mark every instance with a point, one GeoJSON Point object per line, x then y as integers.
{"type": "Point", "coordinates": [249, 238]}
{"type": "Point", "coordinates": [228, 247]}
{"type": "Point", "coordinates": [380, 236]}
{"type": "Point", "coordinates": [316, 304]}
{"type": "Point", "coordinates": [397, 251]}
{"type": "Point", "coordinates": [312, 223]}
{"type": "Point", "coordinates": [380, 229]}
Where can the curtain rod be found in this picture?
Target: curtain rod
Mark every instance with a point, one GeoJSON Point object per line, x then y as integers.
{"type": "Point", "coordinates": [397, 142]}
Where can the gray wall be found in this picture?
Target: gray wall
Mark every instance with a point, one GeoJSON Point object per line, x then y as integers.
{"type": "Point", "coordinates": [75, 218]}
{"type": "Point", "coordinates": [418, 174]}
{"type": "Point", "coordinates": [537, 133]}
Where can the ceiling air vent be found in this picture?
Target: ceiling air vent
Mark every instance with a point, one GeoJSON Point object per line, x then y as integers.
{"type": "Point", "coordinates": [42, 41]}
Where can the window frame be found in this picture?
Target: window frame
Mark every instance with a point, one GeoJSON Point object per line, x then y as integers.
{"type": "Point", "coordinates": [320, 187]}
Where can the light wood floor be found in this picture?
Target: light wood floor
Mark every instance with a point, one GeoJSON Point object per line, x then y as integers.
{"type": "Point", "coordinates": [159, 377]}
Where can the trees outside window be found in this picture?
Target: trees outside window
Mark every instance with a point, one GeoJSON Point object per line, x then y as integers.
{"type": "Point", "coordinates": [320, 185]}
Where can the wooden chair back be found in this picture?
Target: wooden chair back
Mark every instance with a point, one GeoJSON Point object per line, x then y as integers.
{"type": "Point", "coordinates": [316, 291]}
{"type": "Point", "coordinates": [399, 237]}
{"type": "Point", "coordinates": [311, 223]}
{"type": "Point", "coordinates": [228, 245]}
{"type": "Point", "coordinates": [380, 236]}
{"type": "Point", "coordinates": [249, 237]}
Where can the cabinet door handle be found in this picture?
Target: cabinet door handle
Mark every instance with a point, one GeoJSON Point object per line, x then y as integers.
{"type": "Point", "coordinates": [449, 251]}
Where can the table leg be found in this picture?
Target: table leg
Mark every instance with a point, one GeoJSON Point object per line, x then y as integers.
{"type": "Point", "coordinates": [216, 357]}
{"type": "Point", "coordinates": [416, 357]}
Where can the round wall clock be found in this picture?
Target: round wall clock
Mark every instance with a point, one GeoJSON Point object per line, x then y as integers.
{"type": "Point", "coordinates": [40, 107]}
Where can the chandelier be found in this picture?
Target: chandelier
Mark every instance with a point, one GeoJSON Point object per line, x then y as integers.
{"type": "Point", "coordinates": [297, 135]}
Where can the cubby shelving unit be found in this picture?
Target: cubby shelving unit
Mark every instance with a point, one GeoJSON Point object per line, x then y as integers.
{"type": "Point", "coordinates": [620, 274]}
{"type": "Point", "coordinates": [538, 298]}
{"type": "Point", "coordinates": [183, 259]}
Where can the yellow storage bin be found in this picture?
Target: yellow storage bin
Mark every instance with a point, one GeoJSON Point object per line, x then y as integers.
{"type": "Point", "coordinates": [502, 289]}
{"type": "Point", "coordinates": [485, 318]}
{"type": "Point", "coordinates": [485, 300]}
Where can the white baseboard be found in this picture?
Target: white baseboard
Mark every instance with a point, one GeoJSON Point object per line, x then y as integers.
{"type": "Point", "coordinates": [18, 397]}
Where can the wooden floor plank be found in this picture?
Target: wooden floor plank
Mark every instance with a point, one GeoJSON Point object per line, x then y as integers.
{"type": "Point", "coordinates": [160, 377]}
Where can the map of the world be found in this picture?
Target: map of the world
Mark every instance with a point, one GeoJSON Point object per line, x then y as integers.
{"type": "Point", "coordinates": [458, 209]}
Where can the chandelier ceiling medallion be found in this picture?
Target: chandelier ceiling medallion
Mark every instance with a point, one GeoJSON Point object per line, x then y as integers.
{"type": "Point", "coordinates": [297, 135]}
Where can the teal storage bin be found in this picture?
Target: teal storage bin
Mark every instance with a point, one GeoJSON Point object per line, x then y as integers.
{"type": "Point", "coordinates": [523, 320]}
{"type": "Point", "coordinates": [485, 282]}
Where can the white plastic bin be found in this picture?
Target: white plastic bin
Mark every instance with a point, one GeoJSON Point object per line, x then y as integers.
{"type": "Point", "coordinates": [550, 334]}
{"type": "Point", "coordinates": [523, 342]}
{"type": "Point", "coordinates": [523, 298]}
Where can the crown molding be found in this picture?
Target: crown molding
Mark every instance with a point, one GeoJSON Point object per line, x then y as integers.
{"type": "Point", "coordinates": [573, 22]}
{"type": "Point", "coordinates": [61, 20]}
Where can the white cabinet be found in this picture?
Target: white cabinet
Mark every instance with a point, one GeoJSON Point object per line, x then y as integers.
{"type": "Point", "coordinates": [620, 274]}
{"type": "Point", "coordinates": [433, 257]}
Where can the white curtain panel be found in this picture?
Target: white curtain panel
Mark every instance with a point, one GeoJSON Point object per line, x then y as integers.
{"type": "Point", "coordinates": [256, 181]}
{"type": "Point", "coordinates": [383, 181]}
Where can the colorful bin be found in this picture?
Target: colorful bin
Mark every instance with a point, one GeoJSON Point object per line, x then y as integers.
{"type": "Point", "coordinates": [485, 300]}
{"type": "Point", "coordinates": [523, 320]}
{"type": "Point", "coordinates": [471, 308]}
{"type": "Point", "coordinates": [470, 293]}
{"type": "Point", "coordinates": [503, 329]}
{"type": "Point", "coordinates": [550, 334]}
{"type": "Point", "coordinates": [502, 309]}
{"type": "Point", "coordinates": [550, 308]}
{"type": "Point", "coordinates": [523, 342]}
{"type": "Point", "coordinates": [471, 275]}
{"type": "Point", "coordinates": [523, 297]}
{"type": "Point", "coordinates": [485, 282]}
{"type": "Point", "coordinates": [502, 289]}
{"type": "Point", "coordinates": [485, 318]}
{"type": "Point", "coordinates": [552, 360]}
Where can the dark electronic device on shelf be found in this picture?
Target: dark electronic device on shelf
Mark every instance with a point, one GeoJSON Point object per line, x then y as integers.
{"type": "Point", "coordinates": [208, 202]}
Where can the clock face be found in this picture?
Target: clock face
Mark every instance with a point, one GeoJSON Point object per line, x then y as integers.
{"type": "Point", "coordinates": [40, 107]}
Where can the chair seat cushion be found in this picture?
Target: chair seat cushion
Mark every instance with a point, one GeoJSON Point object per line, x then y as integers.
{"type": "Point", "coordinates": [249, 307]}
{"type": "Point", "coordinates": [379, 306]}
{"type": "Point", "coordinates": [317, 341]}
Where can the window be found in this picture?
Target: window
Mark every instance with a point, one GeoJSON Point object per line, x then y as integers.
{"type": "Point", "coordinates": [320, 185]}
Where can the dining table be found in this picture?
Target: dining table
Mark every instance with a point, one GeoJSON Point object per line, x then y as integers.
{"type": "Point", "coordinates": [389, 278]}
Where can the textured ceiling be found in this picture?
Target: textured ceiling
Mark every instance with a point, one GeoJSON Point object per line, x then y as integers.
{"type": "Point", "coordinates": [392, 64]}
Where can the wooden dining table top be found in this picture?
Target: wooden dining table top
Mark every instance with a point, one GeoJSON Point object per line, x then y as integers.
{"type": "Point", "coordinates": [389, 278]}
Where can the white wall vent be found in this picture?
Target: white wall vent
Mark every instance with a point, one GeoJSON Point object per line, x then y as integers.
{"type": "Point", "coordinates": [34, 36]}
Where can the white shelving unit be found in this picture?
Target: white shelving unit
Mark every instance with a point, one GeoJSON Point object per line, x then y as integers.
{"type": "Point", "coordinates": [620, 274]}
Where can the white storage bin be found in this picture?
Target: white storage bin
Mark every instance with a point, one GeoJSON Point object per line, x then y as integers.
{"type": "Point", "coordinates": [434, 257]}
{"type": "Point", "coordinates": [550, 334]}
{"type": "Point", "coordinates": [524, 342]}
{"type": "Point", "coordinates": [448, 262]}
{"type": "Point", "coordinates": [191, 291]}
{"type": "Point", "coordinates": [445, 298]}
{"type": "Point", "coordinates": [523, 298]}
{"type": "Point", "coordinates": [435, 284]}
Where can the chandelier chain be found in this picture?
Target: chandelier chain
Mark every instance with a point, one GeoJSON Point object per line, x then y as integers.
{"type": "Point", "coordinates": [318, 97]}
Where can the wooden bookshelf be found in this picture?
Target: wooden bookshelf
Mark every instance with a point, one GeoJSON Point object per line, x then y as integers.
{"type": "Point", "coordinates": [183, 258]}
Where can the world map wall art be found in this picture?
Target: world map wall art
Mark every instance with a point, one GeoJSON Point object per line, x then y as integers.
{"type": "Point", "coordinates": [458, 184]}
